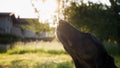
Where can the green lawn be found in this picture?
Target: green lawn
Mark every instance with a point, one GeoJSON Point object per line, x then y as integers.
{"type": "Point", "coordinates": [36, 55]}
{"type": "Point", "coordinates": [41, 55]}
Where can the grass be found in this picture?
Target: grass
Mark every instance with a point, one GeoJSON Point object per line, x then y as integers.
{"type": "Point", "coordinates": [35, 61]}
{"type": "Point", "coordinates": [41, 54]}
{"type": "Point", "coordinates": [33, 47]}
{"type": "Point", "coordinates": [36, 55]}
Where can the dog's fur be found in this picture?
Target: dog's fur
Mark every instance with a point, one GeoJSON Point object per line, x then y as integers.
{"type": "Point", "coordinates": [85, 50]}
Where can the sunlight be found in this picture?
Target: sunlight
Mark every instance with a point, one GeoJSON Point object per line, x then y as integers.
{"type": "Point", "coordinates": [47, 9]}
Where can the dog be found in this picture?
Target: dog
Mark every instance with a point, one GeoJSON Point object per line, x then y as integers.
{"type": "Point", "coordinates": [84, 48]}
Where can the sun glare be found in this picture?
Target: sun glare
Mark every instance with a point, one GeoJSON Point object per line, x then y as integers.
{"type": "Point", "coordinates": [47, 9]}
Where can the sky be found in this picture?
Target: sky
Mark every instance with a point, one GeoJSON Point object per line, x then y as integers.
{"type": "Point", "coordinates": [24, 9]}
{"type": "Point", "coordinates": [101, 1]}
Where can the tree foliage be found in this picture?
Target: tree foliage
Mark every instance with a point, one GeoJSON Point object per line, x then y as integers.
{"type": "Point", "coordinates": [36, 26]}
{"type": "Point", "coordinates": [95, 18]}
{"type": "Point", "coordinates": [115, 10]}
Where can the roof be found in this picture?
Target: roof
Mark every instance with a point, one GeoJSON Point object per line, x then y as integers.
{"type": "Point", "coordinates": [6, 14]}
{"type": "Point", "coordinates": [18, 20]}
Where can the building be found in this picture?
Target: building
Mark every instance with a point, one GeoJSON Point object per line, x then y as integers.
{"type": "Point", "coordinates": [6, 22]}
{"type": "Point", "coordinates": [9, 24]}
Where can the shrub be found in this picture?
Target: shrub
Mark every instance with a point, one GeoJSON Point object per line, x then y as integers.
{"type": "Point", "coordinates": [8, 38]}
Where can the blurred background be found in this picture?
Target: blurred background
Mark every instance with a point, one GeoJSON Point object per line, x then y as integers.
{"type": "Point", "coordinates": [27, 30]}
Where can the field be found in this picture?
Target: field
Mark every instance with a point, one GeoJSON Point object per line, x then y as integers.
{"type": "Point", "coordinates": [36, 55]}
{"type": "Point", "coordinates": [41, 54]}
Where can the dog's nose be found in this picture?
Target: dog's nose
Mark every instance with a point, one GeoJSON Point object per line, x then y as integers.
{"type": "Point", "coordinates": [61, 21]}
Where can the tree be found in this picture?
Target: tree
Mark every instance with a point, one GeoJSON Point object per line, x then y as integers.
{"type": "Point", "coordinates": [115, 9]}
{"type": "Point", "coordinates": [94, 18]}
{"type": "Point", "coordinates": [36, 26]}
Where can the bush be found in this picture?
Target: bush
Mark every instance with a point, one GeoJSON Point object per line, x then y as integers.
{"type": "Point", "coordinates": [112, 49]}
{"type": "Point", "coordinates": [8, 38]}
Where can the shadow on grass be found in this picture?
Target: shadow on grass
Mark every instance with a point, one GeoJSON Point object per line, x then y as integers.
{"type": "Point", "coordinates": [4, 48]}
{"type": "Point", "coordinates": [55, 65]}
{"type": "Point", "coordinates": [30, 64]}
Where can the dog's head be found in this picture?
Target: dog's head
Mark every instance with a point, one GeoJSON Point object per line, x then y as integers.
{"type": "Point", "coordinates": [64, 28]}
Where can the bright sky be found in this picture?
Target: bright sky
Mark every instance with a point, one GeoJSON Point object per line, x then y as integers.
{"type": "Point", "coordinates": [24, 8]}
{"type": "Point", "coordinates": [46, 9]}
{"type": "Point", "coordinates": [19, 7]}
{"type": "Point", "coordinates": [101, 1]}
